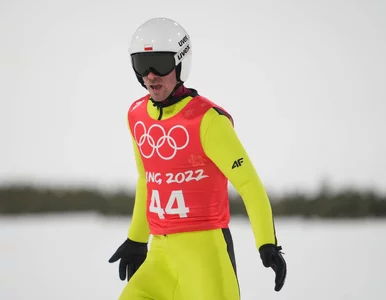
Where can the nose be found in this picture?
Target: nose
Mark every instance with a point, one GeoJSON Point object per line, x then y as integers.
{"type": "Point", "coordinates": [151, 76]}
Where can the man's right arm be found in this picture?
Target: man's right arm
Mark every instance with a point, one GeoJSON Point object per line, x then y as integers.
{"type": "Point", "coordinates": [132, 253]}
{"type": "Point", "coordinates": [139, 228]}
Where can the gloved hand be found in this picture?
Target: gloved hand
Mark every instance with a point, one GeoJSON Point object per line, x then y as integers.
{"type": "Point", "coordinates": [272, 257]}
{"type": "Point", "coordinates": [132, 255]}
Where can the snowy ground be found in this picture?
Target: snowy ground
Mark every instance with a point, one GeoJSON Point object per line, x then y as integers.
{"type": "Point", "coordinates": [65, 257]}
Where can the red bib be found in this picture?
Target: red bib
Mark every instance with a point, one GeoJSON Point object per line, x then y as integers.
{"type": "Point", "coordinates": [185, 189]}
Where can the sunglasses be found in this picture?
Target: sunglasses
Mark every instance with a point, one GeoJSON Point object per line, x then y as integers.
{"type": "Point", "coordinates": [159, 63]}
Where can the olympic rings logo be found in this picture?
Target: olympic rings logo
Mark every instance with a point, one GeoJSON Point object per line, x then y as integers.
{"type": "Point", "coordinates": [148, 141]}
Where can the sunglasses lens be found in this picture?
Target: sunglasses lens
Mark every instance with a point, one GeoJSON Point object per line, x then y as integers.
{"type": "Point", "coordinates": [159, 63]}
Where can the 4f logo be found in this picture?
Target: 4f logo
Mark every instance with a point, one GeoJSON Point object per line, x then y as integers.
{"type": "Point", "coordinates": [237, 163]}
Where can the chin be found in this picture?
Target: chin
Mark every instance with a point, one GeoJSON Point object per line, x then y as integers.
{"type": "Point", "coordinates": [157, 99]}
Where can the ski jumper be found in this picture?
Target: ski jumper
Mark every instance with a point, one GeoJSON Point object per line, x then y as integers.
{"type": "Point", "coordinates": [181, 200]}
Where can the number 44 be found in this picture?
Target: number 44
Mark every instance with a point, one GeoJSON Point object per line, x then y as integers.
{"type": "Point", "coordinates": [175, 197]}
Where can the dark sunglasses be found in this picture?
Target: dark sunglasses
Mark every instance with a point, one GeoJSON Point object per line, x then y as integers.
{"type": "Point", "coordinates": [159, 63]}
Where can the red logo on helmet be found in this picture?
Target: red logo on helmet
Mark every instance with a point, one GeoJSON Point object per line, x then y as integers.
{"type": "Point", "coordinates": [148, 47]}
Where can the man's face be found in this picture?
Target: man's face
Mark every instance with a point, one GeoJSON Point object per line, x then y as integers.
{"type": "Point", "coordinates": [160, 87]}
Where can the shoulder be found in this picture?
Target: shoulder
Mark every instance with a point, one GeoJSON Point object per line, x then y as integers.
{"type": "Point", "coordinates": [214, 109]}
{"type": "Point", "coordinates": [134, 108]}
{"type": "Point", "coordinates": [216, 122]}
{"type": "Point", "coordinates": [216, 119]}
{"type": "Point", "coordinates": [137, 103]}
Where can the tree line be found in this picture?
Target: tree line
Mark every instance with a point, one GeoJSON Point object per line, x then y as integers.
{"type": "Point", "coordinates": [345, 203]}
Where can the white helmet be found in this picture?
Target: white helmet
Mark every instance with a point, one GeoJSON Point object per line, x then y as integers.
{"type": "Point", "coordinates": [165, 36]}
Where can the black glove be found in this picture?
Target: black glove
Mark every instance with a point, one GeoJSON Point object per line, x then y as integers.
{"type": "Point", "coordinates": [132, 255]}
{"type": "Point", "coordinates": [272, 257]}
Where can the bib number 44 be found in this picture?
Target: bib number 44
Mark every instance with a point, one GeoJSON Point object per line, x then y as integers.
{"type": "Point", "coordinates": [175, 205]}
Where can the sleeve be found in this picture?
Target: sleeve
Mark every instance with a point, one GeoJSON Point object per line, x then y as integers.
{"type": "Point", "coordinates": [222, 145]}
{"type": "Point", "coordinates": [139, 228]}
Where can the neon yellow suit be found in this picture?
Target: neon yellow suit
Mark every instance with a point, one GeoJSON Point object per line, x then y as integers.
{"type": "Point", "coordinates": [198, 265]}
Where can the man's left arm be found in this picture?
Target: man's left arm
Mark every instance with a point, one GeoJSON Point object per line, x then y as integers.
{"type": "Point", "coordinates": [222, 145]}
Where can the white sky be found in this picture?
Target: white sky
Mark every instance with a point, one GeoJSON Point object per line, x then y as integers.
{"type": "Point", "coordinates": [304, 80]}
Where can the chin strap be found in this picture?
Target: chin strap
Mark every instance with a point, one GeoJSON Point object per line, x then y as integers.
{"type": "Point", "coordinates": [160, 107]}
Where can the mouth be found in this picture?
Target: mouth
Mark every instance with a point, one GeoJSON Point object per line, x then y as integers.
{"type": "Point", "coordinates": [156, 87]}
